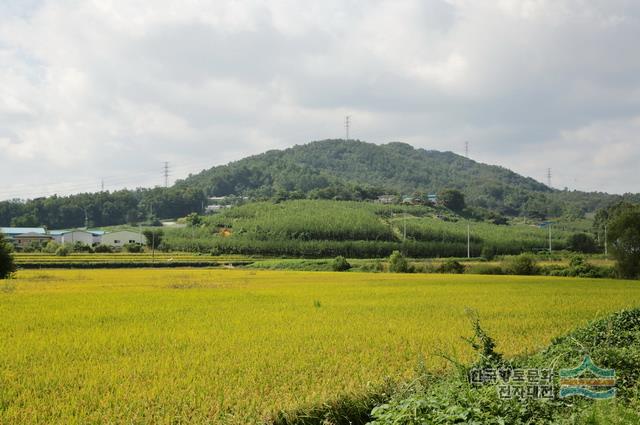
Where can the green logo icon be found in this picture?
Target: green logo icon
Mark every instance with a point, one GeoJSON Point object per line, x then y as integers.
{"type": "Point", "coordinates": [588, 380]}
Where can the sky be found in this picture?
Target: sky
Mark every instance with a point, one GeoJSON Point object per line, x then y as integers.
{"type": "Point", "coordinates": [97, 92]}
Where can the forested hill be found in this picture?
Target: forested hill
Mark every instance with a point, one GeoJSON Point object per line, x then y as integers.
{"type": "Point", "coordinates": [355, 170]}
{"type": "Point", "coordinates": [330, 169]}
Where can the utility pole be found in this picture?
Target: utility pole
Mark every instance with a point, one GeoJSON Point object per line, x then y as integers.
{"type": "Point", "coordinates": [86, 219]}
{"type": "Point", "coordinates": [549, 226]}
{"type": "Point", "coordinates": [102, 185]}
{"type": "Point", "coordinates": [404, 225]}
{"type": "Point", "coordinates": [166, 174]}
{"type": "Point", "coordinates": [468, 240]}
{"type": "Point", "coordinates": [347, 124]}
{"type": "Point", "coordinates": [549, 177]}
{"type": "Point", "coordinates": [606, 248]}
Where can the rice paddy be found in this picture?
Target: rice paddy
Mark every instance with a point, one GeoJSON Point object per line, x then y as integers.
{"type": "Point", "coordinates": [235, 346]}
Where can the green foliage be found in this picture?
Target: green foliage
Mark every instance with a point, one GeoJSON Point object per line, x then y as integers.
{"type": "Point", "coordinates": [523, 264]}
{"type": "Point", "coordinates": [102, 208]}
{"type": "Point", "coordinates": [134, 248]}
{"type": "Point", "coordinates": [582, 242]}
{"type": "Point", "coordinates": [612, 343]}
{"type": "Point", "coordinates": [451, 266]}
{"type": "Point", "coordinates": [102, 249]}
{"type": "Point", "coordinates": [154, 237]}
{"type": "Point", "coordinates": [7, 264]}
{"type": "Point", "coordinates": [81, 247]}
{"type": "Point", "coordinates": [452, 199]}
{"type": "Point", "coordinates": [340, 264]}
{"type": "Point", "coordinates": [624, 233]}
{"type": "Point", "coordinates": [325, 229]}
{"type": "Point", "coordinates": [63, 250]}
{"type": "Point", "coordinates": [398, 263]}
{"type": "Point", "coordinates": [51, 247]}
{"type": "Point", "coordinates": [193, 219]}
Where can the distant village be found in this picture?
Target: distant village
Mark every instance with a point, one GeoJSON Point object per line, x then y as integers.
{"type": "Point", "coordinates": [25, 237]}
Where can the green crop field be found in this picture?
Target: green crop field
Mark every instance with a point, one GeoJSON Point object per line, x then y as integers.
{"type": "Point", "coordinates": [235, 346]}
{"type": "Point", "coordinates": [322, 228]}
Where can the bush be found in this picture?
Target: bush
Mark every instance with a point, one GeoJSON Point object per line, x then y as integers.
{"type": "Point", "coordinates": [340, 264]}
{"type": "Point", "coordinates": [82, 247]}
{"type": "Point", "coordinates": [582, 242]}
{"type": "Point", "coordinates": [523, 264]}
{"type": "Point", "coordinates": [133, 248]}
{"type": "Point", "coordinates": [451, 266]}
{"type": "Point", "coordinates": [63, 251]}
{"type": "Point", "coordinates": [51, 247]}
{"type": "Point", "coordinates": [102, 248]}
{"type": "Point", "coordinates": [7, 265]}
{"type": "Point", "coordinates": [398, 263]}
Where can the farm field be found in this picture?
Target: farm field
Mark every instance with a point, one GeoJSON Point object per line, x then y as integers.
{"type": "Point", "coordinates": [322, 228]}
{"type": "Point", "coordinates": [234, 346]}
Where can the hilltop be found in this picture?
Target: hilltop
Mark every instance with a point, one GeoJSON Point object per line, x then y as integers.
{"type": "Point", "coordinates": [340, 169]}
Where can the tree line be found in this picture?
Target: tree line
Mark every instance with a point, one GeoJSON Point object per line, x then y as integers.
{"type": "Point", "coordinates": [102, 208]}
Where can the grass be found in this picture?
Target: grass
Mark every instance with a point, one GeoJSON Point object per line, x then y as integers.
{"type": "Point", "coordinates": [237, 346]}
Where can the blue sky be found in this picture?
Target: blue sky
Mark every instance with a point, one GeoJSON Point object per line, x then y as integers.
{"type": "Point", "coordinates": [107, 90]}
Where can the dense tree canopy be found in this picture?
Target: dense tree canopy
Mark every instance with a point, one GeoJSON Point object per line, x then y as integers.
{"type": "Point", "coordinates": [102, 208]}
{"type": "Point", "coordinates": [7, 266]}
{"type": "Point", "coordinates": [624, 234]}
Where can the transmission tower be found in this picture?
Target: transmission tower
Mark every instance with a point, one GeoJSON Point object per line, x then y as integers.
{"type": "Point", "coordinates": [347, 124]}
{"type": "Point", "coordinates": [549, 177]}
{"type": "Point", "coordinates": [466, 149]}
{"type": "Point", "coordinates": [165, 173]}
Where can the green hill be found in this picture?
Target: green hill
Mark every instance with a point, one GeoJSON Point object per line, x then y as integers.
{"type": "Point", "coordinates": [353, 170]}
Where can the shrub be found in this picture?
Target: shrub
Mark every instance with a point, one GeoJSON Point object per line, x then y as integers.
{"type": "Point", "coordinates": [398, 263]}
{"type": "Point", "coordinates": [7, 265]}
{"type": "Point", "coordinates": [133, 248]}
{"type": "Point", "coordinates": [523, 264]}
{"type": "Point", "coordinates": [63, 251]}
{"type": "Point", "coordinates": [451, 266]}
{"type": "Point", "coordinates": [582, 242]}
{"type": "Point", "coordinates": [51, 247]}
{"type": "Point", "coordinates": [102, 248]}
{"type": "Point", "coordinates": [81, 247]}
{"type": "Point", "coordinates": [340, 264]}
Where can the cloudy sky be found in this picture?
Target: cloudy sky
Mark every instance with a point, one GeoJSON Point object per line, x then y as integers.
{"type": "Point", "coordinates": [94, 90]}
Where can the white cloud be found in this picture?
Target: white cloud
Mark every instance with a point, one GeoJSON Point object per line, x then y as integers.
{"type": "Point", "coordinates": [112, 88]}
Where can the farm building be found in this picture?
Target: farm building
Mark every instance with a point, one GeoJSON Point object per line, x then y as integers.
{"type": "Point", "coordinates": [88, 237]}
{"type": "Point", "coordinates": [22, 237]}
{"type": "Point", "coordinates": [26, 239]}
{"type": "Point", "coordinates": [73, 236]}
{"type": "Point", "coordinates": [123, 237]}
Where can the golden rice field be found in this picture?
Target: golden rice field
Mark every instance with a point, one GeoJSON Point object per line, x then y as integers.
{"type": "Point", "coordinates": [233, 346]}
